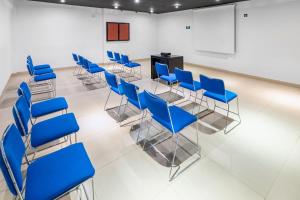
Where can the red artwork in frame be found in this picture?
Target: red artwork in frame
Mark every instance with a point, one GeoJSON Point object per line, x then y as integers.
{"type": "Point", "coordinates": [117, 31]}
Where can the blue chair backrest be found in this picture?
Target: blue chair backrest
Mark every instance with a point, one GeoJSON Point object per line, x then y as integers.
{"type": "Point", "coordinates": [157, 106]}
{"type": "Point", "coordinates": [111, 79]}
{"type": "Point", "coordinates": [205, 82]}
{"type": "Point", "coordinates": [12, 152]}
{"type": "Point", "coordinates": [25, 91]}
{"type": "Point", "coordinates": [130, 90]}
{"type": "Point", "coordinates": [184, 76]}
{"type": "Point", "coordinates": [75, 57]}
{"type": "Point", "coordinates": [29, 69]}
{"type": "Point", "coordinates": [81, 59]}
{"type": "Point", "coordinates": [21, 113]}
{"type": "Point", "coordinates": [117, 56]}
{"type": "Point", "coordinates": [212, 85]}
{"type": "Point", "coordinates": [29, 59]}
{"type": "Point", "coordinates": [217, 86]}
{"type": "Point", "coordinates": [125, 59]}
{"type": "Point", "coordinates": [110, 55]}
{"type": "Point", "coordinates": [161, 69]}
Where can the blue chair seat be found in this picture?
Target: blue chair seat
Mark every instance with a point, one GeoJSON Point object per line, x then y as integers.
{"type": "Point", "coordinates": [43, 71]}
{"type": "Point", "coordinates": [44, 77]}
{"type": "Point", "coordinates": [56, 173]}
{"type": "Point", "coordinates": [132, 64]}
{"type": "Point", "coordinates": [180, 118]}
{"type": "Point", "coordinates": [223, 98]}
{"type": "Point", "coordinates": [95, 69]}
{"type": "Point", "coordinates": [52, 129]}
{"type": "Point", "coordinates": [170, 79]}
{"type": "Point", "coordinates": [38, 67]}
{"type": "Point", "coordinates": [195, 87]}
{"type": "Point", "coordinates": [118, 90]}
{"type": "Point", "coordinates": [113, 60]}
{"type": "Point", "coordinates": [47, 107]}
{"type": "Point", "coordinates": [142, 101]}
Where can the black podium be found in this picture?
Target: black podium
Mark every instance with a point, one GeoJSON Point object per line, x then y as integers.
{"type": "Point", "coordinates": [172, 61]}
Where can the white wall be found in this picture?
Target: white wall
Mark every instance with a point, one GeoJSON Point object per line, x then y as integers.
{"type": "Point", "coordinates": [6, 9]}
{"type": "Point", "coordinates": [51, 32]}
{"type": "Point", "coordinates": [143, 32]}
{"type": "Point", "coordinates": [268, 42]}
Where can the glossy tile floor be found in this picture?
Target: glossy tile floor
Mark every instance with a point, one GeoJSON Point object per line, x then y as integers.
{"type": "Point", "coordinates": [260, 159]}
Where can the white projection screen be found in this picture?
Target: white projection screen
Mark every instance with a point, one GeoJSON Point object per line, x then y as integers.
{"type": "Point", "coordinates": [214, 29]}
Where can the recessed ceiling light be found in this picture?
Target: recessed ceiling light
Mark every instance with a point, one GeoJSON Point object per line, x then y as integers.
{"type": "Point", "coordinates": [136, 1]}
{"type": "Point", "coordinates": [151, 10]}
{"type": "Point", "coordinates": [116, 5]}
{"type": "Point", "coordinates": [217, 0]}
{"type": "Point", "coordinates": [177, 5]}
{"type": "Point", "coordinates": [62, 1]}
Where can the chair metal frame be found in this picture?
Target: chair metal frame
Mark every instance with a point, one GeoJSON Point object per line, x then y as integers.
{"type": "Point", "coordinates": [173, 135]}
{"type": "Point", "coordinates": [168, 83]}
{"type": "Point", "coordinates": [132, 70]}
{"type": "Point", "coordinates": [228, 111]}
{"type": "Point", "coordinates": [12, 177]}
{"type": "Point", "coordinates": [93, 78]}
{"type": "Point", "coordinates": [42, 147]}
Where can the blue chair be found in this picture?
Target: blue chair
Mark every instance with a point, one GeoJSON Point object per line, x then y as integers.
{"type": "Point", "coordinates": [38, 82]}
{"type": "Point", "coordinates": [50, 177]}
{"type": "Point", "coordinates": [163, 74]}
{"type": "Point", "coordinates": [37, 67]}
{"type": "Point", "coordinates": [172, 118]}
{"type": "Point", "coordinates": [94, 73]}
{"type": "Point", "coordinates": [119, 62]}
{"type": "Point", "coordinates": [135, 98]}
{"type": "Point", "coordinates": [45, 131]}
{"type": "Point", "coordinates": [132, 66]}
{"type": "Point", "coordinates": [186, 81]}
{"type": "Point", "coordinates": [110, 56]}
{"type": "Point", "coordinates": [215, 89]}
{"type": "Point", "coordinates": [114, 86]}
{"type": "Point", "coordinates": [78, 64]}
{"type": "Point", "coordinates": [44, 107]}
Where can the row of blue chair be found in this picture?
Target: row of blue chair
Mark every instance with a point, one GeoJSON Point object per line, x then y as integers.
{"type": "Point", "coordinates": [51, 176]}
{"type": "Point", "coordinates": [42, 78]}
{"type": "Point", "coordinates": [211, 88]}
{"type": "Point", "coordinates": [85, 68]}
{"type": "Point", "coordinates": [171, 117]}
{"type": "Point", "coordinates": [123, 61]}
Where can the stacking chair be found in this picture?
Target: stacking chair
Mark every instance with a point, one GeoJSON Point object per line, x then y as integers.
{"type": "Point", "coordinates": [37, 67]}
{"type": "Point", "coordinates": [215, 89]}
{"type": "Point", "coordinates": [45, 131]}
{"type": "Point", "coordinates": [110, 56]}
{"type": "Point", "coordinates": [119, 62]}
{"type": "Point", "coordinates": [78, 64]}
{"type": "Point", "coordinates": [44, 107]}
{"type": "Point", "coordinates": [43, 83]}
{"type": "Point", "coordinates": [94, 73]}
{"type": "Point", "coordinates": [186, 81]}
{"type": "Point", "coordinates": [163, 74]}
{"type": "Point", "coordinates": [114, 86]}
{"type": "Point", "coordinates": [135, 98]}
{"type": "Point", "coordinates": [172, 118]}
{"type": "Point", "coordinates": [131, 65]}
{"type": "Point", "coordinates": [35, 72]}
{"type": "Point", "coordinates": [52, 176]}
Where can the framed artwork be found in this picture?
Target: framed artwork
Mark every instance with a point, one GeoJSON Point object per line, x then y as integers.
{"type": "Point", "coordinates": [117, 31]}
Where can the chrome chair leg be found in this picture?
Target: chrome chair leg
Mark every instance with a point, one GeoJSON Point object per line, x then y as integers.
{"type": "Point", "coordinates": [156, 85]}
{"type": "Point", "coordinates": [120, 105]}
{"type": "Point", "coordinates": [171, 176]}
{"type": "Point", "coordinates": [147, 134]}
{"type": "Point", "coordinates": [107, 100]}
{"type": "Point", "coordinates": [144, 113]}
